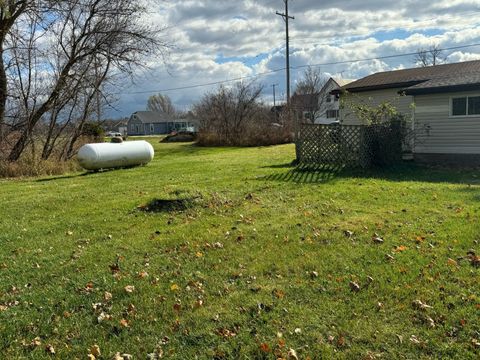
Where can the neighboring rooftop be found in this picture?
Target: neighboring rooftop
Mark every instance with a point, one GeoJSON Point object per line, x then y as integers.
{"type": "Point", "coordinates": [152, 117]}
{"type": "Point", "coordinates": [438, 78]}
{"type": "Point", "coordinates": [343, 82]}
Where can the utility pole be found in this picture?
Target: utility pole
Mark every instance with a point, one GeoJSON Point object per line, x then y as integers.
{"type": "Point", "coordinates": [274, 103]}
{"type": "Point", "coordinates": [286, 17]}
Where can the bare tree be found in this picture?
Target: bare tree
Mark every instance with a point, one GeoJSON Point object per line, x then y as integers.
{"type": "Point", "coordinates": [100, 37]}
{"type": "Point", "coordinates": [10, 11]}
{"type": "Point", "coordinates": [308, 92]}
{"type": "Point", "coordinates": [226, 113]}
{"type": "Point", "coordinates": [162, 104]}
{"type": "Point", "coordinates": [430, 57]}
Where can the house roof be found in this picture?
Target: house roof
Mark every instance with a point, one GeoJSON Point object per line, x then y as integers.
{"type": "Point", "coordinates": [151, 117]}
{"type": "Point", "coordinates": [431, 79]}
{"type": "Point", "coordinates": [342, 82]}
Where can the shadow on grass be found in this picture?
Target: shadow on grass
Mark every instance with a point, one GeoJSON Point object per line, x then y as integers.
{"type": "Point", "coordinates": [65, 177]}
{"type": "Point", "coordinates": [305, 174]}
{"type": "Point", "coordinates": [311, 174]}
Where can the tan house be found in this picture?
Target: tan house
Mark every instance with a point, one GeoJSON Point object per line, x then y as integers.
{"type": "Point", "coordinates": [441, 102]}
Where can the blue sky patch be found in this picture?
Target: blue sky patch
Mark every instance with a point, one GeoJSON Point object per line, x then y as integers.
{"type": "Point", "coordinates": [402, 34]}
{"type": "Point", "coordinates": [247, 60]}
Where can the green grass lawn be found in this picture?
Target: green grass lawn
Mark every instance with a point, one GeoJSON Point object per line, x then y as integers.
{"type": "Point", "coordinates": [246, 257]}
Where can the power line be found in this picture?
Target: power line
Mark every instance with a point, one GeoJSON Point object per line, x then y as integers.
{"type": "Point", "coordinates": [381, 57]}
{"type": "Point", "coordinates": [294, 67]}
{"type": "Point", "coordinates": [202, 85]}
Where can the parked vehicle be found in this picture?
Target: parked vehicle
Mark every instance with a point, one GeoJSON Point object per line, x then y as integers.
{"type": "Point", "coordinates": [114, 134]}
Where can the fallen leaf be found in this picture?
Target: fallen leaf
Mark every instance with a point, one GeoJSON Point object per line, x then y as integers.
{"type": "Point", "coordinates": [298, 331]}
{"type": "Point", "coordinates": [377, 239]}
{"type": "Point", "coordinates": [226, 333]}
{"type": "Point", "coordinates": [102, 317]}
{"type": "Point", "coordinates": [89, 287]}
{"type": "Point", "coordinates": [142, 274]}
{"type": "Point", "coordinates": [124, 323]}
{"type": "Point", "coordinates": [107, 296]}
{"type": "Point", "coordinates": [430, 322]}
{"type": "Point", "coordinates": [95, 350]}
{"type": "Point", "coordinates": [292, 354]}
{"type": "Point", "coordinates": [69, 233]}
{"type": "Point", "coordinates": [400, 248]}
{"type": "Point", "coordinates": [354, 286]}
{"type": "Point", "coordinates": [174, 287]}
{"type": "Point", "coordinates": [129, 289]}
{"type": "Point", "coordinates": [414, 340]}
{"type": "Point", "coordinates": [417, 304]}
{"type": "Point", "coordinates": [476, 343]}
{"type": "Point", "coordinates": [265, 347]}
{"type": "Point", "coordinates": [279, 294]}
{"type": "Point", "coordinates": [452, 262]}
{"type": "Point", "coordinates": [50, 349]}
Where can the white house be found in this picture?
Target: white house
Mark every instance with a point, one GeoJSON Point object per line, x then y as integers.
{"type": "Point", "coordinates": [329, 103]}
{"type": "Point", "coordinates": [442, 103]}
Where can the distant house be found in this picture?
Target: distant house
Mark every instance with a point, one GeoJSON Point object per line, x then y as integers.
{"type": "Point", "coordinates": [330, 104]}
{"type": "Point", "coordinates": [321, 108]}
{"type": "Point", "coordinates": [442, 102]}
{"type": "Point", "coordinates": [155, 123]}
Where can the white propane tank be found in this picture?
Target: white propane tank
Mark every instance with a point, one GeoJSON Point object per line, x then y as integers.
{"type": "Point", "coordinates": [110, 155]}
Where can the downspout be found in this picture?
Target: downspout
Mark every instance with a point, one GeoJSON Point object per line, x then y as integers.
{"type": "Point", "coordinates": [413, 126]}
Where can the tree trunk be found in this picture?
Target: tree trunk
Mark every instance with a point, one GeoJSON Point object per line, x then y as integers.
{"type": "Point", "coordinates": [3, 91]}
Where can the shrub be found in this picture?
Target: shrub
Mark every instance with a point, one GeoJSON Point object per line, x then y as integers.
{"type": "Point", "coordinates": [236, 117]}
{"type": "Point", "coordinates": [28, 166]}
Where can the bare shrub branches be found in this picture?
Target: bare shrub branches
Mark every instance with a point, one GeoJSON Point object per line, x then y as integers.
{"type": "Point", "coordinates": [59, 63]}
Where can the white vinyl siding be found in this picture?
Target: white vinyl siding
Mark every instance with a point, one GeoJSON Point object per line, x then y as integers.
{"type": "Point", "coordinates": [374, 98]}
{"type": "Point", "coordinates": [439, 131]}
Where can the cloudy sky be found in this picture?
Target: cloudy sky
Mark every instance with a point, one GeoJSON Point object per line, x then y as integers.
{"type": "Point", "coordinates": [221, 40]}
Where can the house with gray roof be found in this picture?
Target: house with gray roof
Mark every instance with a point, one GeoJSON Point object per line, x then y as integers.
{"type": "Point", "coordinates": [143, 123]}
{"type": "Point", "coordinates": [442, 104]}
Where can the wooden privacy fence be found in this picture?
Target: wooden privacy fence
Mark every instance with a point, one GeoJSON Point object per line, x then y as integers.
{"type": "Point", "coordinates": [349, 145]}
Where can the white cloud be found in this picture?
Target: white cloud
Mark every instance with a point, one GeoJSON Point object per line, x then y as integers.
{"type": "Point", "coordinates": [322, 32]}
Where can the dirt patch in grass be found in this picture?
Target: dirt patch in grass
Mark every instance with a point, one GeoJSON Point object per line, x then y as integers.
{"type": "Point", "coordinates": [170, 205]}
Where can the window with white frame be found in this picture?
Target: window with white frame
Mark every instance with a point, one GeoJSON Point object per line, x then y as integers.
{"type": "Point", "coordinates": [465, 106]}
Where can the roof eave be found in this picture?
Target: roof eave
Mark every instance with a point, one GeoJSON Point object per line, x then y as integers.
{"type": "Point", "coordinates": [383, 86]}
{"type": "Point", "coordinates": [442, 89]}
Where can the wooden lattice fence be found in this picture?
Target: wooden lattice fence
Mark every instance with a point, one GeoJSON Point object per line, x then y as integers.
{"type": "Point", "coordinates": [349, 145]}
